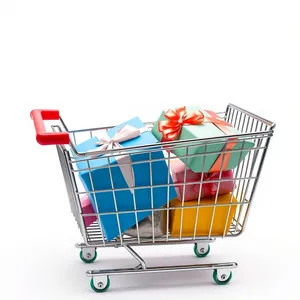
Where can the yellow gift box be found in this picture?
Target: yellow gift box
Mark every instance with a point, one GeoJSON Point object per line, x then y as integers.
{"type": "Point", "coordinates": [204, 216]}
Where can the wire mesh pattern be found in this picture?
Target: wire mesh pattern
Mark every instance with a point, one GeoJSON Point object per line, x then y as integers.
{"type": "Point", "coordinates": [235, 210]}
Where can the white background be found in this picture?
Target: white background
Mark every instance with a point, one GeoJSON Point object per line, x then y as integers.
{"type": "Point", "coordinates": [102, 62]}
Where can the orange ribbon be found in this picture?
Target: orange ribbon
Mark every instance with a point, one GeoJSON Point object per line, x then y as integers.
{"type": "Point", "coordinates": [222, 125]}
{"type": "Point", "coordinates": [179, 117]}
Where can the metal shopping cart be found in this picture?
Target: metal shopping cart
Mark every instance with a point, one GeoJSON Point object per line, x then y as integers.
{"type": "Point", "coordinates": [245, 177]}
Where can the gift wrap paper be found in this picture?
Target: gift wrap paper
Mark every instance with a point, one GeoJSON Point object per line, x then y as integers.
{"type": "Point", "coordinates": [87, 208]}
{"type": "Point", "coordinates": [124, 199]}
{"type": "Point", "coordinates": [181, 174]}
{"type": "Point", "coordinates": [145, 227]}
{"type": "Point", "coordinates": [204, 217]}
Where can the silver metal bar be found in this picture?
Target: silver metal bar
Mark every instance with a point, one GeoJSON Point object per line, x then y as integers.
{"type": "Point", "coordinates": [162, 209]}
{"type": "Point", "coordinates": [152, 204]}
{"type": "Point", "coordinates": [191, 143]}
{"type": "Point", "coordinates": [227, 116]}
{"type": "Point", "coordinates": [236, 118]}
{"type": "Point", "coordinates": [115, 199]}
{"type": "Point", "coordinates": [74, 139]}
{"type": "Point", "coordinates": [239, 182]}
{"type": "Point", "coordinates": [136, 256]}
{"type": "Point", "coordinates": [136, 217]}
{"type": "Point", "coordinates": [217, 193]}
{"type": "Point", "coordinates": [183, 194]}
{"type": "Point", "coordinates": [233, 187]}
{"type": "Point", "coordinates": [168, 197]}
{"type": "Point", "coordinates": [248, 160]}
{"type": "Point", "coordinates": [63, 124]}
{"type": "Point", "coordinates": [148, 241]}
{"type": "Point", "coordinates": [164, 185]}
{"type": "Point", "coordinates": [95, 198]}
{"type": "Point", "coordinates": [96, 242]}
{"type": "Point", "coordinates": [147, 124]}
{"type": "Point", "coordinates": [239, 123]}
{"type": "Point", "coordinates": [244, 122]}
{"type": "Point", "coordinates": [241, 170]}
{"type": "Point", "coordinates": [200, 192]}
{"type": "Point", "coordinates": [216, 266]}
{"type": "Point", "coordinates": [271, 124]}
{"type": "Point", "coordinates": [180, 143]}
{"type": "Point", "coordinates": [161, 159]}
{"type": "Point", "coordinates": [246, 170]}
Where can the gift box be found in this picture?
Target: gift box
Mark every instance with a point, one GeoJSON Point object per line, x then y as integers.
{"type": "Point", "coordinates": [87, 208]}
{"type": "Point", "coordinates": [186, 123]}
{"type": "Point", "coordinates": [124, 175]}
{"type": "Point", "coordinates": [146, 228]}
{"type": "Point", "coordinates": [192, 187]}
{"type": "Point", "coordinates": [204, 216]}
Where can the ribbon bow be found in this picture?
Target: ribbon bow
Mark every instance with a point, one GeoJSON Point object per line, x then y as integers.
{"type": "Point", "coordinates": [125, 133]}
{"type": "Point", "coordinates": [171, 129]}
{"type": "Point", "coordinates": [177, 118]}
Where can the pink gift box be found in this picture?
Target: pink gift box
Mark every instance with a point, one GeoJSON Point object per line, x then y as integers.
{"type": "Point", "coordinates": [87, 208]}
{"type": "Point", "coordinates": [192, 190]}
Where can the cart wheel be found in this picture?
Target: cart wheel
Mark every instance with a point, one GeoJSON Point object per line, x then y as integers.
{"type": "Point", "coordinates": [201, 251]}
{"type": "Point", "coordinates": [101, 286]}
{"type": "Point", "coordinates": [221, 277]}
{"type": "Point", "coordinates": [88, 257]}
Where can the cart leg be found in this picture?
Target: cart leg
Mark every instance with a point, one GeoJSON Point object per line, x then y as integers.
{"type": "Point", "coordinates": [201, 249]}
{"type": "Point", "coordinates": [87, 254]}
{"type": "Point", "coordinates": [142, 263]}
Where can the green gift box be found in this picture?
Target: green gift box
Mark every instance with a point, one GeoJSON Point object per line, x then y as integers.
{"type": "Point", "coordinates": [193, 122]}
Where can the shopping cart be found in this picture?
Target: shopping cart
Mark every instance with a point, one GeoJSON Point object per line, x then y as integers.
{"type": "Point", "coordinates": [246, 175]}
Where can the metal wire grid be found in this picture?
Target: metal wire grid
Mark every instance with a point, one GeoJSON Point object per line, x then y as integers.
{"type": "Point", "coordinates": [245, 178]}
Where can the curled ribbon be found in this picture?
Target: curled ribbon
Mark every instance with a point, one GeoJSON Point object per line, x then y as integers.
{"type": "Point", "coordinates": [176, 119]}
{"type": "Point", "coordinates": [125, 133]}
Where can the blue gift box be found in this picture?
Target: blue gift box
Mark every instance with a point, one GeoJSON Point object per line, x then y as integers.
{"type": "Point", "coordinates": [124, 198]}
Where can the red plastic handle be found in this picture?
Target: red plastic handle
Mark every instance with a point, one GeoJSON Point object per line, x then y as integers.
{"type": "Point", "coordinates": [42, 136]}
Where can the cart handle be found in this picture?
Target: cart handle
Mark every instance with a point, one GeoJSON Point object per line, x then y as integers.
{"type": "Point", "coordinates": [42, 136]}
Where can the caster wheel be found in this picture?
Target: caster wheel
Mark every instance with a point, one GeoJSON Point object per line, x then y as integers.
{"type": "Point", "coordinates": [202, 250]}
{"type": "Point", "coordinates": [88, 257]}
{"type": "Point", "coordinates": [101, 286]}
{"type": "Point", "coordinates": [221, 277]}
